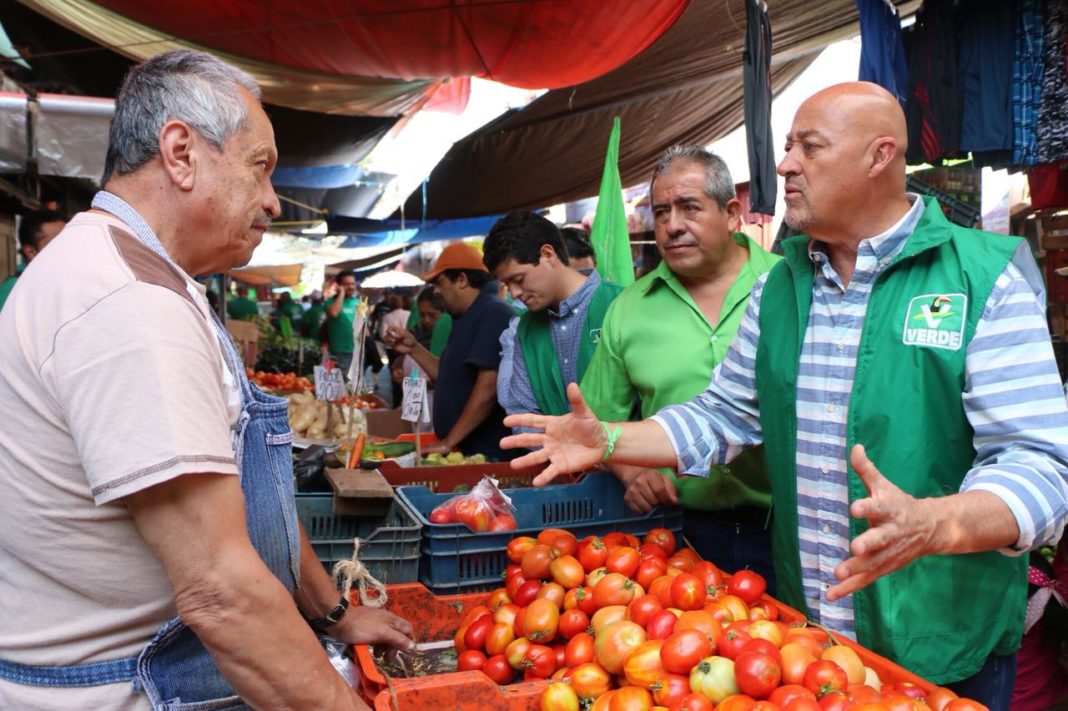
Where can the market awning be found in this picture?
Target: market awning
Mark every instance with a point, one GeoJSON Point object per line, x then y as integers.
{"type": "Point", "coordinates": [274, 275]}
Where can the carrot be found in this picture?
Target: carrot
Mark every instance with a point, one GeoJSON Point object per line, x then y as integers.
{"type": "Point", "coordinates": [357, 450]}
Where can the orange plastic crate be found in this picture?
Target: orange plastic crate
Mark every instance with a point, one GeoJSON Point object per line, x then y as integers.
{"type": "Point", "coordinates": [437, 618]}
{"type": "Point", "coordinates": [447, 478]}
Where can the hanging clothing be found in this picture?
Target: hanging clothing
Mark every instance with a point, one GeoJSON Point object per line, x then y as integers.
{"type": "Point", "coordinates": [1027, 71]}
{"type": "Point", "coordinates": [1052, 125]}
{"type": "Point", "coordinates": [882, 52]}
{"type": "Point", "coordinates": [756, 76]}
{"type": "Point", "coordinates": [933, 110]}
{"type": "Point", "coordinates": [987, 49]}
{"type": "Point", "coordinates": [1049, 186]}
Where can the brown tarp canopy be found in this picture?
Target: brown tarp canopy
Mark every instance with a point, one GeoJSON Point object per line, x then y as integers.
{"type": "Point", "coordinates": [686, 88]}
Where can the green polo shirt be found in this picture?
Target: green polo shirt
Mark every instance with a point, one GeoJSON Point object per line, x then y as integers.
{"type": "Point", "coordinates": [339, 328]}
{"type": "Point", "coordinates": [658, 349]}
{"type": "Point", "coordinates": [241, 308]}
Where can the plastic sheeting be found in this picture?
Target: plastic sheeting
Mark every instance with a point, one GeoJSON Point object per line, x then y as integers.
{"type": "Point", "coordinates": [13, 144]}
{"type": "Point", "coordinates": [71, 133]}
{"type": "Point", "coordinates": [527, 43]}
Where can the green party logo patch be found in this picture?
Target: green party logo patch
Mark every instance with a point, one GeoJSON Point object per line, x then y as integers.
{"type": "Point", "coordinates": [595, 336]}
{"type": "Point", "coordinates": [936, 321]}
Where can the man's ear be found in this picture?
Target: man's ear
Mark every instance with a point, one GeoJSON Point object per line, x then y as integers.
{"type": "Point", "coordinates": [28, 252]}
{"type": "Point", "coordinates": [547, 252]}
{"type": "Point", "coordinates": [733, 209]}
{"type": "Point", "coordinates": [178, 152]}
{"type": "Point", "coordinates": [884, 152]}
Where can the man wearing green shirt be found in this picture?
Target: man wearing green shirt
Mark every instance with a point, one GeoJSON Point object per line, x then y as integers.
{"type": "Point", "coordinates": [340, 314]}
{"type": "Point", "coordinates": [241, 307]}
{"type": "Point", "coordinates": [661, 340]}
{"type": "Point", "coordinates": [36, 229]}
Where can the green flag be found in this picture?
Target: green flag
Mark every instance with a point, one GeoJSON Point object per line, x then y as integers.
{"type": "Point", "coordinates": [611, 242]}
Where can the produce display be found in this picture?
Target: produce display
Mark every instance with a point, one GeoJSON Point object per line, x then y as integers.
{"type": "Point", "coordinates": [279, 381]}
{"type": "Point", "coordinates": [437, 459]}
{"type": "Point", "coordinates": [484, 508]}
{"type": "Point", "coordinates": [615, 623]}
{"type": "Point", "coordinates": [308, 418]}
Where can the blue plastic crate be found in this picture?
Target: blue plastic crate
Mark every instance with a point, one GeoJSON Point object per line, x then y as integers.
{"type": "Point", "coordinates": [389, 544]}
{"type": "Point", "coordinates": [455, 559]}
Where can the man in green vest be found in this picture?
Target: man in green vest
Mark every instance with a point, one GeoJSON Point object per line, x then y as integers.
{"type": "Point", "coordinates": [557, 334]}
{"type": "Point", "coordinates": [36, 230]}
{"type": "Point", "coordinates": [663, 336]}
{"type": "Point", "coordinates": [898, 370]}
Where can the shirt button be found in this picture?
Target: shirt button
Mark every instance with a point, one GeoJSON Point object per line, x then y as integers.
{"type": "Point", "coordinates": [832, 407]}
{"type": "Point", "coordinates": [565, 361]}
{"type": "Point", "coordinates": [825, 469]}
{"type": "Point", "coordinates": [841, 347]}
{"type": "Point", "coordinates": [563, 328]}
{"type": "Point", "coordinates": [826, 528]}
{"type": "Point", "coordinates": [714, 339]}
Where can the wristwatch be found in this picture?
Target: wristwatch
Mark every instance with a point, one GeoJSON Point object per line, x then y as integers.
{"type": "Point", "coordinates": [331, 618]}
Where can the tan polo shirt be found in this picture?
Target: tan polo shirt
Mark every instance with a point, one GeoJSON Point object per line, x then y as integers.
{"type": "Point", "coordinates": [112, 381]}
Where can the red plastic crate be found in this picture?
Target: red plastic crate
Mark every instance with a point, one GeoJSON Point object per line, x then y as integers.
{"type": "Point", "coordinates": [447, 478]}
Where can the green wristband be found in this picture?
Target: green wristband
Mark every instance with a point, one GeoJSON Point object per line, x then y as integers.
{"type": "Point", "coordinates": [612, 435]}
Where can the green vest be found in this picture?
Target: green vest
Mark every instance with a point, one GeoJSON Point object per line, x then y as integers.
{"type": "Point", "coordinates": [543, 369]}
{"type": "Point", "coordinates": [940, 616]}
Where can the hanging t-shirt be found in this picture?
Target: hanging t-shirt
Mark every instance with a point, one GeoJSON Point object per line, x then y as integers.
{"type": "Point", "coordinates": [882, 53]}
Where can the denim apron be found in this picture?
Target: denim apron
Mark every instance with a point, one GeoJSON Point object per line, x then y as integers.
{"type": "Point", "coordinates": [175, 671]}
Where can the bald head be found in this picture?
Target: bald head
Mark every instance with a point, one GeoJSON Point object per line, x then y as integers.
{"type": "Point", "coordinates": [845, 161]}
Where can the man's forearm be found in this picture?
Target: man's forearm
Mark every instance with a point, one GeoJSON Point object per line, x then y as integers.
{"type": "Point", "coordinates": [334, 307]}
{"type": "Point", "coordinates": [479, 406]}
{"type": "Point", "coordinates": [644, 444]}
{"type": "Point", "coordinates": [427, 361]}
{"type": "Point", "coordinates": [970, 522]}
{"type": "Point", "coordinates": [317, 593]}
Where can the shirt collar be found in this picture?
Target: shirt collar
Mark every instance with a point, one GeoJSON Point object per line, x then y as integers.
{"type": "Point", "coordinates": [885, 245]}
{"type": "Point", "coordinates": [572, 302]}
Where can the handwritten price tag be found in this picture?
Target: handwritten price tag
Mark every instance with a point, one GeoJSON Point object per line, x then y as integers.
{"type": "Point", "coordinates": [414, 407]}
{"type": "Point", "coordinates": [329, 384]}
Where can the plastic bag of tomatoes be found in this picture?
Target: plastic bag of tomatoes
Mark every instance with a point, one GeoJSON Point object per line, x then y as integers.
{"type": "Point", "coordinates": [484, 508]}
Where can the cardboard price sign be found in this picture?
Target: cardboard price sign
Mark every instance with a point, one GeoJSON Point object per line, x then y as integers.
{"type": "Point", "coordinates": [414, 407]}
{"type": "Point", "coordinates": [329, 384]}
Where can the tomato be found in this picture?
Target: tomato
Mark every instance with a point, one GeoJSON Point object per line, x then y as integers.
{"type": "Point", "coordinates": [527, 592]}
{"type": "Point", "coordinates": [500, 636]}
{"type": "Point", "coordinates": [623, 560]}
{"type": "Point", "coordinates": [823, 677]}
{"type": "Point", "coordinates": [763, 646]}
{"type": "Point", "coordinates": [736, 606]}
{"type": "Point", "coordinates": [606, 616]}
{"type": "Point", "coordinates": [662, 625]}
{"type": "Point", "coordinates": [708, 573]}
{"type": "Point", "coordinates": [905, 688]}
{"type": "Point", "coordinates": [643, 667]}
{"type": "Point", "coordinates": [683, 650]}
{"type": "Point", "coordinates": [649, 570]}
{"type": "Point", "coordinates": [593, 554]}
{"type": "Point", "coordinates": [661, 587]}
{"type": "Point", "coordinates": [731, 643]}
{"type": "Point", "coordinates": [564, 544]}
{"type": "Point", "coordinates": [613, 589]}
{"type": "Point", "coordinates": [692, 702]}
{"type": "Point", "coordinates": [670, 688]}
{"type": "Point", "coordinates": [516, 651]}
{"type": "Point", "coordinates": [579, 649]}
{"type": "Point", "coordinates": [770, 610]}
{"type": "Point", "coordinates": [688, 592]}
{"type": "Point", "coordinates": [498, 669]}
{"type": "Point", "coordinates": [471, 660]}
{"type": "Point", "coordinates": [719, 613]}
{"type": "Point", "coordinates": [614, 539]}
{"type": "Point", "coordinates": [803, 639]}
{"type": "Point", "coordinates": [441, 515]}
{"type": "Point", "coordinates": [584, 600]}
{"type": "Point", "coordinates": [613, 643]}
{"type": "Point", "coordinates": [748, 585]}
{"type": "Point", "coordinates": [546, 537]}
{"type": "Point", "coordinates": [863, 694]}
{"type": "Point", "coordinates": [535, 562]}
{"type": "Point", "coordinates": [766, 629]}
{"type": "Point", "coordinates": [513, 578]}
{"type": "Point", "coordinates": [681, 562]}
{"type": "Point", "coordinates": [560, 650]}
{"type": "Point", "coordinates": [964, 705]}
{"type": "Point", "coordinates": [594, 576]}
{"type": "Point", "coordinates": [631, 698]}
{"type": "Point", "coordinates": [757, 673]}
{"type": "Point", "coordinates": [503, 522]}
{"type": "Point", "coordinates": [498, 598]}
{"type": "Point", "coordinates": [517, 547]}
{"type": "Point", "coordinates": [737, 702]}
{"type": "Point", "coordinates": [506, 613]}
{"type": "Point", "coordinates": [539, 661]}
{"type": "Point", "coordinates": [573, 622]}
{"type": "Point", "coordinates": [474, 613]}
{"type": "Point", "coordinates": [940, 698]}
{"type": "Point", "coordinates": [567, 571]}
{"type": "Point", "coordinates": [714, 677]}
{"type": "Point", "coordinates": [704, 623]}
{"type": "Point", "coordinates": [590, 680]}
{"type": "Point", "coordinates": [651, 550]}
{"type": "Point", "coordinates": [474, 514]}
{"type": "Point", "coordinates": [802, 703]}
{"type": "Point", "coordinates": [765, 706]}
{"type": "Point", "coordinates": [795, 661]}
{"type": "Point", "coordinates": [554, 592]}
{"type": "Point", "coordinates": [851, 664]}
{"type": "Point", "coordinates": [788, 692]}
{"type": "Point", "coordinates": [642, 609]}
{"type": "Point", "coordinates": [559, 696]}
{"type": "Point", "coordinates": [663, 538]}
{"type": "Point", "coordinates": [540, 621]}
{"type": "Point", "coordinates": [477, 631]}
{"type": "Point", "coordinates": [835, 701]}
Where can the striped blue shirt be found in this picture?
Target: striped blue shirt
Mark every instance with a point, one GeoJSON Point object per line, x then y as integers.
{"type": "Point", "coordinates": [1013, 400]}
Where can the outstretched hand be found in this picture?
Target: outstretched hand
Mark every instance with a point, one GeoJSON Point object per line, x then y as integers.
{"type": "Point", "coordinates": [570, 443]}
{"type": "Point", "coordinates": [901, 530]}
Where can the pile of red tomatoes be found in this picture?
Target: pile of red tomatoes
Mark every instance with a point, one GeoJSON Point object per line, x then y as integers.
{"type": "Point", "coordinates": [622, 624]}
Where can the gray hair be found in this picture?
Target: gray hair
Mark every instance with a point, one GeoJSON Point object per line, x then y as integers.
{"type": "Point", "coordinates": [719, 185]}
{"type": "Point", "coordinates": [184, 85]}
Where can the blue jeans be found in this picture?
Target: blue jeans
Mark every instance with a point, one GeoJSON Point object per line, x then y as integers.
{"type": "Point", "coordinates": [992, 685]}
{"type": "Point", "coordinates": [733, 539]}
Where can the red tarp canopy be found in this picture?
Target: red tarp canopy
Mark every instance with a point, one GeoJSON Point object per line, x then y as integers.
{"type": "Point", "coordinates": [526, 43]}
